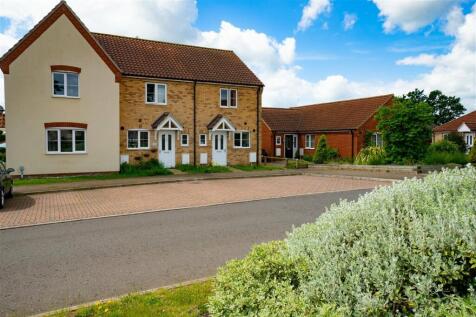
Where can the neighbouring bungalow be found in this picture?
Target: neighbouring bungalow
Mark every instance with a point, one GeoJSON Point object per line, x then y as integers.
{"type": "Point", "coordinates": [293, 132]}
{"type": "Point", "coordinates": [81, 102]}
{"type": "Point", "coordinates": [464, 125]}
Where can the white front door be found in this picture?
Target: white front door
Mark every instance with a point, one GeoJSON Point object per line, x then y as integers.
{"type": "Point", "coordinates": [167, 148]}
{"type": "Point", "coordinates": [219, 148]}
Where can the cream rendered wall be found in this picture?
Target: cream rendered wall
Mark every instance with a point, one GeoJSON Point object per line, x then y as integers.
{"type": "Point", "coordinates": [28, 95]}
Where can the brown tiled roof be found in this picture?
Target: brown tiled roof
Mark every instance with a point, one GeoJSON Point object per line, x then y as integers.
{"type": "Point", "coordinates": [159, 120]}
{"type": "Point", "coordinates": [331, 116]}
{"type": "Point", "coordinates": [279, 119]}
{"type": "Point", "coordinates": [214, 121]}
{"type": "Point", "coordinates": [146, 58]}
{"type": "Point", "coordinates": [453, 125]}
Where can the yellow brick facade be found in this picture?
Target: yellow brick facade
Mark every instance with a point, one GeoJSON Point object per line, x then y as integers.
{"type": "Point", "coordinates": [136, 114]}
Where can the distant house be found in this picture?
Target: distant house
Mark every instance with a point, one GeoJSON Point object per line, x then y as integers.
{"type": "Point", "coordinates": [465, 125]}
{"type": "Point", "coordinates": [292, 132]}
{"type": "Point", "coordinates": [95, 101]}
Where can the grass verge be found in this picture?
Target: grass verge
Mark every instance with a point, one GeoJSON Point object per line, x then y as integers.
{"type": "Point", "coordinates": [187, 300]}
{"type": "Point", "coordinates": [202, 169]}
{"type": "Point", "coordinates": [146, 168]}
{"type": "Point", "coordinates": [249, 168]}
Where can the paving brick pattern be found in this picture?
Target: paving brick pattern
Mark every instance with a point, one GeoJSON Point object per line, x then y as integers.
{"type": "Point", "coordinates": [62, 206]}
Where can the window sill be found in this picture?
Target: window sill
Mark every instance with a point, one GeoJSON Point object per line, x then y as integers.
{"type": "Point", "coordinates": [202, 145]}
{"type": "Point", "coordinates": [309, 148]}
{"type": "Point", "coordinates": [139, 149]}
{"type": "Point", "coordinates": [182, 145]}
{"type": "Point", "coordinates": [65, 97]}
{"type": "Point", "coordinates": [66, 153]}
{"type": "Point", "coordinates": [155, 104]}
{"type": "Point", "coordinates": [241, 147]}
{"type": "Point", "coordinates": [229, 107]}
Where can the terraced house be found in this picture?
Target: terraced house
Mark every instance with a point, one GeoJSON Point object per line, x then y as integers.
{"type": "Point", "coordinates": [82, 102]}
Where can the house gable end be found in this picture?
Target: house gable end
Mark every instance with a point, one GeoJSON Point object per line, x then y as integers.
{"type": "Point", "coordinates": [61, 9]}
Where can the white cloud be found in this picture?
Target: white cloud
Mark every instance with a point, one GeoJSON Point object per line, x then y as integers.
{"type": "Point", "coordinates": [311, 11]}
{"type": "Point", "coordinates": [411, 15]}
{"type": "Point", "coordinates": [454, 20]}
{"type": "Point", "coordinates": [349, 21]}
{"type": "Point", "coordinates": [421, 60]}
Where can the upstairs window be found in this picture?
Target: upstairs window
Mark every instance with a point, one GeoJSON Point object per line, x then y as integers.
{"type": "Point", "coordinates": [65, 84]}
{"type": "Point", "coordinates": [242, 139]}
{"type": "Point", "coordinates": [137, 139]}
{"type": "Point", "coordinates": [228, 98]}
{"type": "Point", "coordinates": [66, 140]}
{"type": "Point", "coordinates": [156, 93]}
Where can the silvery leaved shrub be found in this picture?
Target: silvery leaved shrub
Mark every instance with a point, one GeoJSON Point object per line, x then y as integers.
{"type": "Point", "coordinates": [406, 249]}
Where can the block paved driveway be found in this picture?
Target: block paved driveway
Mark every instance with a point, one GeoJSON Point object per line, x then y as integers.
{"type": "Point", "coordinates": [85, 204]}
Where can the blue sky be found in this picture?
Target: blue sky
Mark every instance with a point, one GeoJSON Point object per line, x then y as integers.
{"type": "Point", "coordinates": [302, 56]}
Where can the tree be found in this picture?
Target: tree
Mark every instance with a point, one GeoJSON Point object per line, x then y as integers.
{"type": "Point", "coordinates": [406, 130]}
{"type": "Point", "coordinates": [444, 108]}
{"type": "Point", "coordinates": [323, 152]}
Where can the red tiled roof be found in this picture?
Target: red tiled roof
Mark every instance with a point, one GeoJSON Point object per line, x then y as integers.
{"type": "Point", "coordinates": [338, 115]}
{"type": "Point", "coordinates": [453, 125]}
{"type": "Point", "coordinates": [147, 58]}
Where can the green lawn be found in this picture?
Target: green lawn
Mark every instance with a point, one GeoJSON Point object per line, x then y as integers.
{"type": "Point", "coordinates": [203, 169]}
{"type": "Point", "coordinates": [187, 300]}
{"type": "Point", "coordinates": [249, 168]}
{"type": "Point", "coordinates": [145, 168]}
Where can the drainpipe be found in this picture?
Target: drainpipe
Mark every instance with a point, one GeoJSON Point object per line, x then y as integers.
{"type": "Point", "coordinates": [194, 123]}
{"type": "Point", "coordinates": [258, 123]}
{"type": "Point", "coordinates": [352, 135]}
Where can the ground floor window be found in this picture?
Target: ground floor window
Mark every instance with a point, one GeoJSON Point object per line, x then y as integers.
{"type": "Point", "coordinates": [278, 140]}
{"type": "Point", "coordinates": [137, 139]}
{"type": "Point", "coordinates": [65, 140]}
{"type": "Point", "coordinates": [376, 139]}
{"type": "Point", "coordinates": [184, 140]}
{"type": "Point", "coordinates": [469, 139]}
{"type": "Point", "coordinates": [242, 139]}
{"type": "Point", "coordinates": [309, 144]}
{"type": "Point", "coordinates": [203, 139]}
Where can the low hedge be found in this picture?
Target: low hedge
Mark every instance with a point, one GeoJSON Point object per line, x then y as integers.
{"type": "Point", "coordinates": [406, 249]}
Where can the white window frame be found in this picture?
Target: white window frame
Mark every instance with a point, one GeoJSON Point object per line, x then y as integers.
{"type": "Point", "coordinates": [138, 140]}
{"type": "Point", "coordinates": [156, 94]}
{"type": "Point", "coordinates": [200, 139]}
{"type": "Point", "coordinates": [278, 140]}
{"type": "Point", "coordinates": [228, 98]}
{"type": "Point", "coordinates": [59, 141]}
{"type": "Point", "coordinates": [376, 135]}
{"type": "Point", "coordinates": [241, 140]}
{"type": "Point", "coordinates": [469, 137]}
{"type": "Point", "coordinates": [306, 145]}
{"type": "Point", "coordinates": [64, 73]}
{"type": "Point", "coordinates": [181, 139]}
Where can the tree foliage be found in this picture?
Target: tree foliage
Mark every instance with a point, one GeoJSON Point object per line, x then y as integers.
{"type": "Point", "coordinates": [444, 108]}
{"type": "Point", "coordinates": [323, 152]}
{"type": "Point", "coordinates": [406, 130]}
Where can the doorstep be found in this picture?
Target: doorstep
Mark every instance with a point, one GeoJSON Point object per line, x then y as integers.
{"type": "Point", "coordinates": [133, 181]}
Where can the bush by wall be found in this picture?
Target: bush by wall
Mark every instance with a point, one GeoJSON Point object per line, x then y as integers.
{"type": "Point", "coordinates": [144, 168]}
{"type": "Point", "coordinates": [472, 154]}
{"type": "Point", "coordinates": [324, 153]}
{"type": "Point", "coordinates": [444, 152]}
{"type": "Point", "coordinates": [406, 249]}
{"type": "Point", "coordinates": [371, 155]}
{"type": "Point", "coordinates": [457, 139]}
